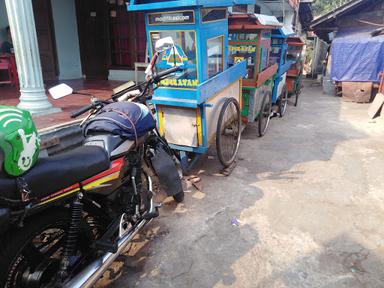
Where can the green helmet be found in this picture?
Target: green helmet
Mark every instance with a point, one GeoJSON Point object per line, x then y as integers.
{"type": "Point", "coordinates": [19, 141]}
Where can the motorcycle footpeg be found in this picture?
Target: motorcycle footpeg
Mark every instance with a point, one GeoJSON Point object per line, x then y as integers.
{"type": "Point", "coordinates": [151, 215]}
{"type": "Point", "coordinates": [106, 246]}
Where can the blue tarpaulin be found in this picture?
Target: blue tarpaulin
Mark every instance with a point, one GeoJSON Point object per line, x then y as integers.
{"type": "Point", "coordinates": [357, 56]}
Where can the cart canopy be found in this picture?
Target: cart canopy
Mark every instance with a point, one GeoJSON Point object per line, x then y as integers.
{"type": "Point", "coordinates": [268, 20]}
{"type": "Point", "coordinates": [295, 41]}
{"type": "Point", "coordinates": [145, 5]}
{"type": "Point", "coordinates": [283, 32]}
{"type": "Point", "coordinates": [357, 56]}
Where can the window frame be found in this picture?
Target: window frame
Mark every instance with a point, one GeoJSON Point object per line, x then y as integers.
{"type": "Point", "coordinates": [151, 47]}
{"type": "Point", "coordinates": [222, 58]}
{"type": "Point", "coordinates": [216, 20]}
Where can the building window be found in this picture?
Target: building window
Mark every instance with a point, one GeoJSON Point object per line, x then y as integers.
{"type": "Point", "coordinates": [215, 50]}
{"type": "Point", "coordinates": [126, 36]}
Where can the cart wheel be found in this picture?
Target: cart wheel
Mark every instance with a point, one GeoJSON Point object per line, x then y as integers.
{"type": "Point", "coordinates": [298, 91]}
{"type": "Point", "coordinates": [265, 114]}
{"type": "Point", "coordinates": [283, 102]}
{"type": "Point", "coordinates": [228, 132]}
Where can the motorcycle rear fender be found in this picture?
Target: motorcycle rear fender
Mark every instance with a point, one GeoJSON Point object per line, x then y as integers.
{"type": "Point", "coordinates": [166, 170]}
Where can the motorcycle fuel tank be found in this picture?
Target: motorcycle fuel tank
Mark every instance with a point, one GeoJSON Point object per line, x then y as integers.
{"type": "Point", "coordinates": [113, 144]}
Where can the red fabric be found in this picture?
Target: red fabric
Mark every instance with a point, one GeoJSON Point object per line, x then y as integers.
{"type": "Point", "coordinates": [15, 76]}
{"type": "Point", "coordinates": [5, 65]}
{"type": "Point", "coordinates": [123, 36]}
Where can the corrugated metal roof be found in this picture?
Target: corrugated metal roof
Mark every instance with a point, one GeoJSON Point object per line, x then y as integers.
{"type": "Point", "coordinates": [288, 31]}
{"type": "Point", "coordinates": [268, 20]}
{"type": "Point", "coordinates": [336, 12]}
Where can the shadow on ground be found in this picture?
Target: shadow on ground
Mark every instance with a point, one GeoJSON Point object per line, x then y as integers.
{"type": "Point", "coordinates": [341, 262]}
{"type": "Point", "coordinates": [228, 230]}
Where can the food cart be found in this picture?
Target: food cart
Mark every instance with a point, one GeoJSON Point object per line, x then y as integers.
{"type": "Point", "coordinates": [295, 72]}
{"type": "Point", "coordinates": [250, 40]}
{"type": "Point", "coordinates": [201, 102]}
{"type": "Point", "coordinates": [278, 54]}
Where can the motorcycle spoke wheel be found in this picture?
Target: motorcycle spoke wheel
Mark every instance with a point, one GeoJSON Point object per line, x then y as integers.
{"type": "Point", "coordinates": [32, 257]}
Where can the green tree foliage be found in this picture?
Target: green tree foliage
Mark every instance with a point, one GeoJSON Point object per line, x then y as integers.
{"type": "Point", "coordinates": [321, 7]}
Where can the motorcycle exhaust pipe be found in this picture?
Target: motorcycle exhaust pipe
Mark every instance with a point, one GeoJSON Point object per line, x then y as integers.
{"type": "Point", "coordinates": [93, 272]}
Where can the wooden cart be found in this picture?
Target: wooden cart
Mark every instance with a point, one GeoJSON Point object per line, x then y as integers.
{"type": "Point", "coordinates": [279, 50]}
{"type": "Point", "coordinates": [250, 40]}
{"type": "Point", "coordinates": [295, 72]}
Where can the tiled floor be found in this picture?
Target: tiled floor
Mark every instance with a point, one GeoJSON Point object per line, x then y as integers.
{"type": "Point", "coordinates": [99, 88]}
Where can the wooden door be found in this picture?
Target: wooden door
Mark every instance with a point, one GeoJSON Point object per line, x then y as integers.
{"type": "Point", "coordinates": [92, 19]}
{"type": "Point", "coordinates": [45, 38]}
{"type": "Point", "coordinates": [127, 37]}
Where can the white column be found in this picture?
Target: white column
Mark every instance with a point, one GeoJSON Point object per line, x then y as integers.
{"type": "Point", "coordinates": [23, 30]}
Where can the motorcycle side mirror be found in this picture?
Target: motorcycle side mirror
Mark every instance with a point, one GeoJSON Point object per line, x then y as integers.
{"type": "Point", "coordinates": [60, 91]}
{"type": "Point", "coordinates": [164, 44]}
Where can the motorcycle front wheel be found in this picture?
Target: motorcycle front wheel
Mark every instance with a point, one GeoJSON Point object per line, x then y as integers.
{"type": "Point", "coordinates": [30, 256]}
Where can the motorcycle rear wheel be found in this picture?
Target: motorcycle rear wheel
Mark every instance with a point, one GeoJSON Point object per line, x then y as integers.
{"type": "Point", "coordinates": [30, 256]}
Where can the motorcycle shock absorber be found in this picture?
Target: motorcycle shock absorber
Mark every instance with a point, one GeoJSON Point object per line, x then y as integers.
{"type": "Point", "coordinates": [136, 193]}
{"type": "Point", "coordinates": [70, 242]}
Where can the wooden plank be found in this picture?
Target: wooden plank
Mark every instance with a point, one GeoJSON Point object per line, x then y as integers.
{"type": "Point", "coordinates": [266, 74]}
{"type": "Point", "coordinates": [376, 106]}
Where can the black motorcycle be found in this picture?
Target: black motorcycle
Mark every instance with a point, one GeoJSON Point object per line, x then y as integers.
{"type": "Point", "coordinates": [67, 219]}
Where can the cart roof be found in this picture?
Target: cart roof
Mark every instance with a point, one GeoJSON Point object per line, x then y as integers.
{"type": "Point", "coordinates": [145, 5]}
{"type": "Point", "coordinates": [241, 21]}
{"type": "Point", "coordinates": [295, 41]}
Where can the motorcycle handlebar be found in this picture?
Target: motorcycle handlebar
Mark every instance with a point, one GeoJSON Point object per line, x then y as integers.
{"type": "Point", "coordinates": [159, 76]}
{"type": "Point", "coordinates": [82, 110]}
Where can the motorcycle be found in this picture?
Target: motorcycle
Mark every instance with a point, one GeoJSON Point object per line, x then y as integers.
{"type": "Point", "coordinates": [67, 219]}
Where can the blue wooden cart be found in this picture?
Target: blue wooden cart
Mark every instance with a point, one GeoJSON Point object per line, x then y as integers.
{"type": "Point", "coordinates": [278, 54]}
{"type": "Point", "coordinates": [201, 102]}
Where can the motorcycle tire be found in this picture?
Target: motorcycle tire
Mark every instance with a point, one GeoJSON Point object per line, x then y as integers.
{"type": "Point", "coordinates": [18, 247]}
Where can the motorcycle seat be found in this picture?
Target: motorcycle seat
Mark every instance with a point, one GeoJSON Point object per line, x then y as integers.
{"type": "Point", "coordinates": [58, 172]}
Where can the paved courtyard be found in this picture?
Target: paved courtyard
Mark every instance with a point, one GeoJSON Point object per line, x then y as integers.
{"type": "Point", "coordinates": [303, 208]}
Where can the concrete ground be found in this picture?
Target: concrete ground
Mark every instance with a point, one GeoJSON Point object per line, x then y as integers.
{"type": "Point", "coordinates": [303, 208]}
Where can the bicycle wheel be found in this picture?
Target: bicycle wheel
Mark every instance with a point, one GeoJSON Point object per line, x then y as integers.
{"type": "Point", "coordinates": [228, 132]}
{"type": "Point", "coordinates": [283, 102]}
{"type": "Point", "coordinates": [265, 114]}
